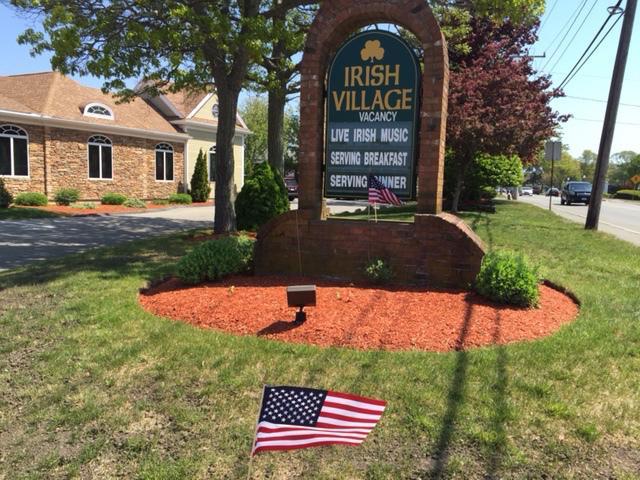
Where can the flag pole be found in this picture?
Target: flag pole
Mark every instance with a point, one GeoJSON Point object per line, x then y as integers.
{"type": "Point", "coordinates": [375, 211]}
{"type": "Point", "coordinates": [255, 435]}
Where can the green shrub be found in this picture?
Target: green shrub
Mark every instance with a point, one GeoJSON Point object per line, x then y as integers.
{"type": "Point", "coordinates": [113, 199]}
{"type": "Point", "coordinates": [507, 277]}
{"type": "Point", "coordinates": [180, 198]}
{"type": "Point", "coordinates": [85, 206]}
{"type": "Point", "coordinates": [262, 198]}
{"type": "Point", "coordinates": [628, 194]}
{"type": "Point", "coordinates": [378, 271]}
{"type": "Point", "coordinates": [31, 199]}
{"type": "Point", "coordinates": [216, 258]}
{"type": "Point", "coordinates": [134, 203]}
{"type": "Point", "coordinates": [160, 201]}
{"type": "Point", "coordinates": [5, 196]}
{"type": "Point", "coordinates": [66, 196]}
{"type": "Point", "coordinates": [200, 187]}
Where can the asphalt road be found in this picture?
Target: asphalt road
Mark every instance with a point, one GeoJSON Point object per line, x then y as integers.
{"type": "Point", "coordinates": [617, 217]}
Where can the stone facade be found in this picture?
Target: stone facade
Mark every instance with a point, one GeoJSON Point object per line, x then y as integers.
{"type": "Point", "coordinates": [58, 158]}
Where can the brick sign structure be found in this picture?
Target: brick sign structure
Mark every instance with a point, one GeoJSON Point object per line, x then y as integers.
{"type": "Point", "coordinates": [437, 249]}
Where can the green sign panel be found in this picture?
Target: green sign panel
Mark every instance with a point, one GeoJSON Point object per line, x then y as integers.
{"type": "Point", "coordinates": [372, 105]}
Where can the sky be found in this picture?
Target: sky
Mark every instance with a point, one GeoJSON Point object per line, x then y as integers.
{"type": "Point", "coordinates": [567, 28]}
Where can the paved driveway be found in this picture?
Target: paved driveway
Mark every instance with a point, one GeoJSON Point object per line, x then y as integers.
{"type": "Point", "coordinates": [25, 241]}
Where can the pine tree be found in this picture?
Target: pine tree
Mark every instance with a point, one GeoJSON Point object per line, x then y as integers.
{"type": "Point", "coordinates": [200, 188]}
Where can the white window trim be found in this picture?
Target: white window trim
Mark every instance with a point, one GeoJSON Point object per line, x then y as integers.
{"type": "Point", "coordinates": [213, 150]}
{"type": "Point", "coordinates": [86, 112]}
{"type": "Point", "coordinates": [12, 159]}
{"type": "Point", "coordinates": [164, 152]}
{"type": "Point", "coordinates": [99, 145]}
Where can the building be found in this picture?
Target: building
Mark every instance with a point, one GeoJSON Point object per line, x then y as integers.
{"type": "Point", "coordinates": [56, 133]}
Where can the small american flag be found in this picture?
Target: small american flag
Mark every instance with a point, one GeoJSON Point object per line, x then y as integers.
{"type": "Point", "coordinates": [296, 417]}
{"type": "Point", "coordinates": [378, 193]}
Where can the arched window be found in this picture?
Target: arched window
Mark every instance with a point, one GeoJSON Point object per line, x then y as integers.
{"type": "Point", "coordinates": [164, 162]}
{"type": "Point", "coordinates": [212, 163]}
{"type": "Point", "coordinates": [14, 151]}
{"type": "Point", "coordinates": [98, 110]}
{"type": "Point", "coordinates": [100, 158]}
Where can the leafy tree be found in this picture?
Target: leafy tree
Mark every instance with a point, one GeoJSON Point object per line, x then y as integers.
{"type": "Point", "coordinates": [497, 105]}
{"type": "Point", "coordinates": [171, 45]}
{"type": "Point", "coordinates": [626, 167]}
{"type": "Point", "coordinates": [588, 164]}
{"type": "Point", "coordinates": [200, 186]}
{"type": "Point", "coordinates": [278, 73]}
{"type": "Point", "coordinates": [5, 196]}
{"type": "Point", "coordinates": [566, 168]}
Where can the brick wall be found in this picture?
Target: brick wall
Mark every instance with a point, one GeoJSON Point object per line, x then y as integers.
{"type": "Point", "coordinates": [58, 159]}
{"type": "Point", "coordinates": [435, 251]}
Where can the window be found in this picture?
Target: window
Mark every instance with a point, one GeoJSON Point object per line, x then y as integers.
{"type": "Point", "coordinates": [215, 110]}
{"type": "Point", "coordinates": [98, 110]}
{"type": "Point", "coordinates": [212, 164]}
{"type": "Point", "coordinates": [164, 162]}
{"type": "Point", "coordinates": [14, 151]}
{"type": "Point", "coordinates": [100, 158]}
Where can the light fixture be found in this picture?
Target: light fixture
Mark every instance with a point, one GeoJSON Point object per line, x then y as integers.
{"type": "Point", "coordinates": [300, 296]}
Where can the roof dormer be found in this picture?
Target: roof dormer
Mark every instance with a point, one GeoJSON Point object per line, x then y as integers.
{"type": "Point", "coordinates": [98, 110]}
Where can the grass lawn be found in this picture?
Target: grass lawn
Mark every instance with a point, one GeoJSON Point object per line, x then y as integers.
{"type": "Point", "coordinates": [24, 213]}
{"type": "Point", "coordinates": [91, 386]}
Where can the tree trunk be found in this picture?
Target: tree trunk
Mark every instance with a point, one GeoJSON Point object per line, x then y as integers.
{"type": "Point", "coordinates": [275, 144]}
{"type": "Point", "coordinates": [225, 217]}
{"type": "Point", "coordinates": [457, 192]}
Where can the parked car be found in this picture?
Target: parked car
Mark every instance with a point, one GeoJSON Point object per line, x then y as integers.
{"type": "Point", "coordinates": [576, 192]}
{"type": "Point", "coordinates": [527, 191]}
{"type": "Point", "coordinates": [552, 192]}
{"type": "Point", "coordinates": [537, 189]}
{"type": "Point", "coordinates": [292, 187]}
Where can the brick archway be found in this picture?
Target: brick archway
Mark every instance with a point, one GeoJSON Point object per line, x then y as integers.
{"type": "Point", "coordinates": [438, 249]}
{"type": "Point", "coordinates": [335, 22]}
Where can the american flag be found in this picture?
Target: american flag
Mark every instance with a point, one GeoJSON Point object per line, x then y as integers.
{"type": "Point", "coordinates": [297, 417]}
{"type": "Point", "coordinates": [378, 193]}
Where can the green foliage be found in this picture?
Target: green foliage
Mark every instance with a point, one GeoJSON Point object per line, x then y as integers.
{"type": "Point", "coordinates": [378, 271]}
{"type": "Point", "coordinates": [507, 277]}
{"type": "Point", "coordinates": [200, 186]}
{"type": "Point", "coordinates": [85, 206]}
{"type": "Point", "coordinates": [624, 166]}
{"type": "Point", "coordinates": [113, 199]}
{"type": "Point", "coordinates": [216, 258]}
{"type": "Point", "coordinates": [628, 194]}
{"type": "Point", "coordinates": [66, 196]}
{"type": "Point", "coordinates": [31, 199]}
{"type": "Point", "coordinates": [5, 196]}
{"type": "Point", "coordinates": [180, 198]}
{"type": "Point", "coordinates": [134, 203]}
{"type": "Point", "coordinates": [262, 198]}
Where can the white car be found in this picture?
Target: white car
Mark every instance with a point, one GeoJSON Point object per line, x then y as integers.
{"type": "Point", "coordinates": [527, 191]}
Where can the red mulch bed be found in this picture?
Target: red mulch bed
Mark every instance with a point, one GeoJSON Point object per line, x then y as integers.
{"type": "Point", "coordinates": [110, 209]}
{"type": "Point", "coordinates": [362, 317]}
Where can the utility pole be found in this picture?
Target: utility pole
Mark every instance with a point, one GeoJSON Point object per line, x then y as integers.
{"type": "Point", "coordinates": [602, 165]}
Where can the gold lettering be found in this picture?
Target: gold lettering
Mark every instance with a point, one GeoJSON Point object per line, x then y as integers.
{"type": "Point", "coordinates": [339, 101]}
{"type": "Point", "coordinates": [387, 100]}
{"type": "Point", "coordinates": [346, 76]}
{"type": "Point", "coordinates": [377, 100]}
{"type": "Point", "coordinates": [406, 99]}
{"type": "Point", "coordinates": [395, 75]}
{"type": "Point", "coordinates": [377, 75]}
{"type": "Point", "coordinates": [356, 74]}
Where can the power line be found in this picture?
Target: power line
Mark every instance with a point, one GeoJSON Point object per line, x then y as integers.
{"type": "Point", "coordinates": [566, 81]}
{"type": "Point", "coordinates": [546, 19]}
{"type": "Point", "coordinates": [602, 121]}
{"type": "Point", "coordinates": [597, 100]}
{"type": "Point", "coordinates": [572, 20]}
{"type": "Point", "coordinates": [575, 34]}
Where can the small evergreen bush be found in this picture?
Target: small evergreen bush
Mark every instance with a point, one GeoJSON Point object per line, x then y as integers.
{"type": "Point", "coordinates": [5, 196]}
{"type": "Point", "coordinates": [31, 199]}
{"type": "Point", "coordinates": [378, 271]}
{"type": "Point", "coordinates": [262, 198]}
{"type": "Point", "coordinates": [66, 196]}
{"type": "Point", "coordinates": [134, 203]}
{"type": "Point", "coordinates": [180, 198]}
{"type": "Point", "coordinates": [507, 277]}
{"type": "Point", "coordinates": [216, 258]}
{"type": "Point", "coordinates": [200, 187]}
{"type": "Point", "coordinates": [113, 199]}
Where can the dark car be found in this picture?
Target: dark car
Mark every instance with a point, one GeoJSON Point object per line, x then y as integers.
{"type": "Point", "coordinates": [292, 187]}
{"type": "Point", "coordinates": [553, 192]}
{"type": "Point", "coordinates": [576, 192]}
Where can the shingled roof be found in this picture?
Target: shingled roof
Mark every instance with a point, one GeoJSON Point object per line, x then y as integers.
{"type": "Point", "coordinates": [55, 95]}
